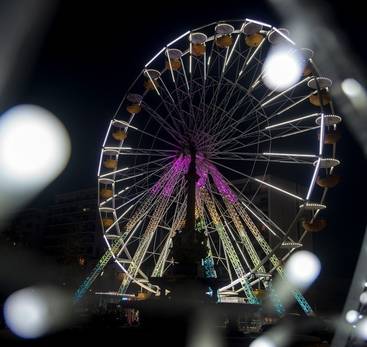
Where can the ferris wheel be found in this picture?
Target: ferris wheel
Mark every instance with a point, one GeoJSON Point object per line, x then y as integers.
{"type": "Point", "coordinates": [207, 90]}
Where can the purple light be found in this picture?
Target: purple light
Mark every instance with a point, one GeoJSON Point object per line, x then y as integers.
{"type": "Point", "coordinates": [173, 170]}
{"type": "Point", "coordinates": [202, 170]}
{"type": "Point", "coordinates": [157, 186]}
{"type": "Point", "coordinates": [180, 165]}
{"type": "Point", "coordinates": [222, 185]}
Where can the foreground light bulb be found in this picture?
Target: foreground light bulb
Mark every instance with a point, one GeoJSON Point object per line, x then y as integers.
{"type": "Point", "coordinates": [34, 146]}
{"type": "Point", "coordinates": [352, 88]}
{"type": "Point", "coordinates": [262, 341]}
{"type": "Point", "coordinates": [302, 269]}
{"type": "Point", "coordinates": [351, 316]}
{"type": "Point", "coordinates": [363, 298]}
{"type": "Point", "coordinates": [282, 68]}
{"type": "Point", "coordinates": [361, 330]}
{"type": "Point", "coordinates": [35, 311]}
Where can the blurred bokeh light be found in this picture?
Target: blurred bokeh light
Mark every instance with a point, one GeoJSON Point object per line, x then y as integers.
{"type": "Point", "coordinates": [35, 311]}
{"type": "Point", "coordinates": [302, 269]}
{"type": "Point", "coordinates": [282, 68]}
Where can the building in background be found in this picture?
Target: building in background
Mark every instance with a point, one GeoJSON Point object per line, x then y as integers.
{"type": "Point", "coordinates": [68, 229]}
{"type": "Point", "coordinates": [72, 227]}
{"type": "Point", "coordinates": [26, 228]}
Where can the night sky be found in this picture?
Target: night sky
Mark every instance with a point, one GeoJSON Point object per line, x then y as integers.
{"type": "Point", "coordinates": [90, 55]}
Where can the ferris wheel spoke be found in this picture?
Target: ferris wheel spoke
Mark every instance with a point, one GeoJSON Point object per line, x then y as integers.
{"type": "Point", "coordinates": [260, 182]}
{"type": "Point", "coordinates": [292, 158]}
{"type": "Point", "coordinates": [238, 87]}
{"type": "Point", "coordinates": [282, 136]}
{"type": "Point", "coordinates": [248, 93]}
{"type": "Point", "coordinates": [130, 199]}
{"type": "Point", "coordinates": [227, 119]}
{"type": "Point", "coordinates": [228, 125]}
{"type": "Point", "coordinates": [234, 47]}
{"type": "Point", "coordinates": [229, 136]}
{"type": "Point", "coordinates": [112, 173]}
{"type": "Point", "coordinates": [141, 151]}
{"type": "Point", "coordinates": [284, 93]}
{"type": "Point", "coordinates": [282, 126]}
{"type": "Point", "coordinates": [252, 56]}
{"type": "Point", "coordinates": [212, 102]}
{"type": "Point", "coordinates": [292, 120]}
{"type": "Point", "coordinates": [129, 126]}
{"type": "Point", "coordinates": [264, 160]}
{"type": "Point", "coordinates": [219, 108]}
{"type": "Point", "coordinates": [265, 103]}
{"type": "Point", "coordinates": [219, 57]}
{"type": "Point", "coordinates": [236, 90]}
{"type": "Point", "coordinates": [173, 107]}
{"type": "Point", "coordinates": [249, 104]}
{"type": "Point", "coordinates": [147, 175]}
{"type": "Point", "coordinates": [234, 142]}
{"type": "Point", "coordinates": [188, 95]}
{"type": "Point", "coordinates": [286, 133]}
{"type": "Point", "coordinates": [171, 130]}
{"type": "Point", "coordinates": [146, 172]}
{"type": "Point", "coordinates": [287, 108]}
{"type": "Point", "coordinates": [202, 110]}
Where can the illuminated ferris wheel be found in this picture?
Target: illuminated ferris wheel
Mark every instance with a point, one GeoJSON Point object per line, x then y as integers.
{"type": "Point", "coordinates": [216, 89]}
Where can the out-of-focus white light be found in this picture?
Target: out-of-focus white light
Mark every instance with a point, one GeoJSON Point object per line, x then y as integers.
{"type": "Point", "coordinates": [26, 313]}
{"type": "Point", "coordinates": [363, 298]}
{"type": "Point", "coordinates": [262, 341]}
{"type": "Point", "coordinates": [361, 330]}
{"type": "Point", "coordinates": [282, 68]}
{"type": "Point", "coordinates": [33, 312]}
{"type": "Point", "coordinates": [352, 87]}
{"type": "Point", "coordinates": [351, 316]}
{"type": "Point", "coordinates": [355, 92]}
{"type": "Point", "coordinates": [34, 146]}
{"type": "Point", "coordinates": [365, 284]}
{"type": "Point", "coordinates": [302, 268]}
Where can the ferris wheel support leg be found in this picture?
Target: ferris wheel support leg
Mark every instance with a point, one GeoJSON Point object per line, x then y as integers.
{"type": "Point", "coordinates": [244, 237]}
{"type": "Point", "coordinates": [279, 308]}
{"type": "Point", "coordinates": [208, 262]}
{"type": "Point", "coordinates": [144, 245]}
{"type": "Point", "coordinates": [229, 249]}
{"type": "Point", "coordinates": [273, 259]}
{"type": "Point", "coordinates": [208, 266]}
{"type": "Point", "coordinates": [103, 261]}
{"type": "Point", "coordinates": [160, 265]}
{"type": "Point", "coordinates": [136, 261]}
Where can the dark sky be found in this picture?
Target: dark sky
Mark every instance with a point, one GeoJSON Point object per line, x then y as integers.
{"type": "Point", "coordinates": [91, 53]}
